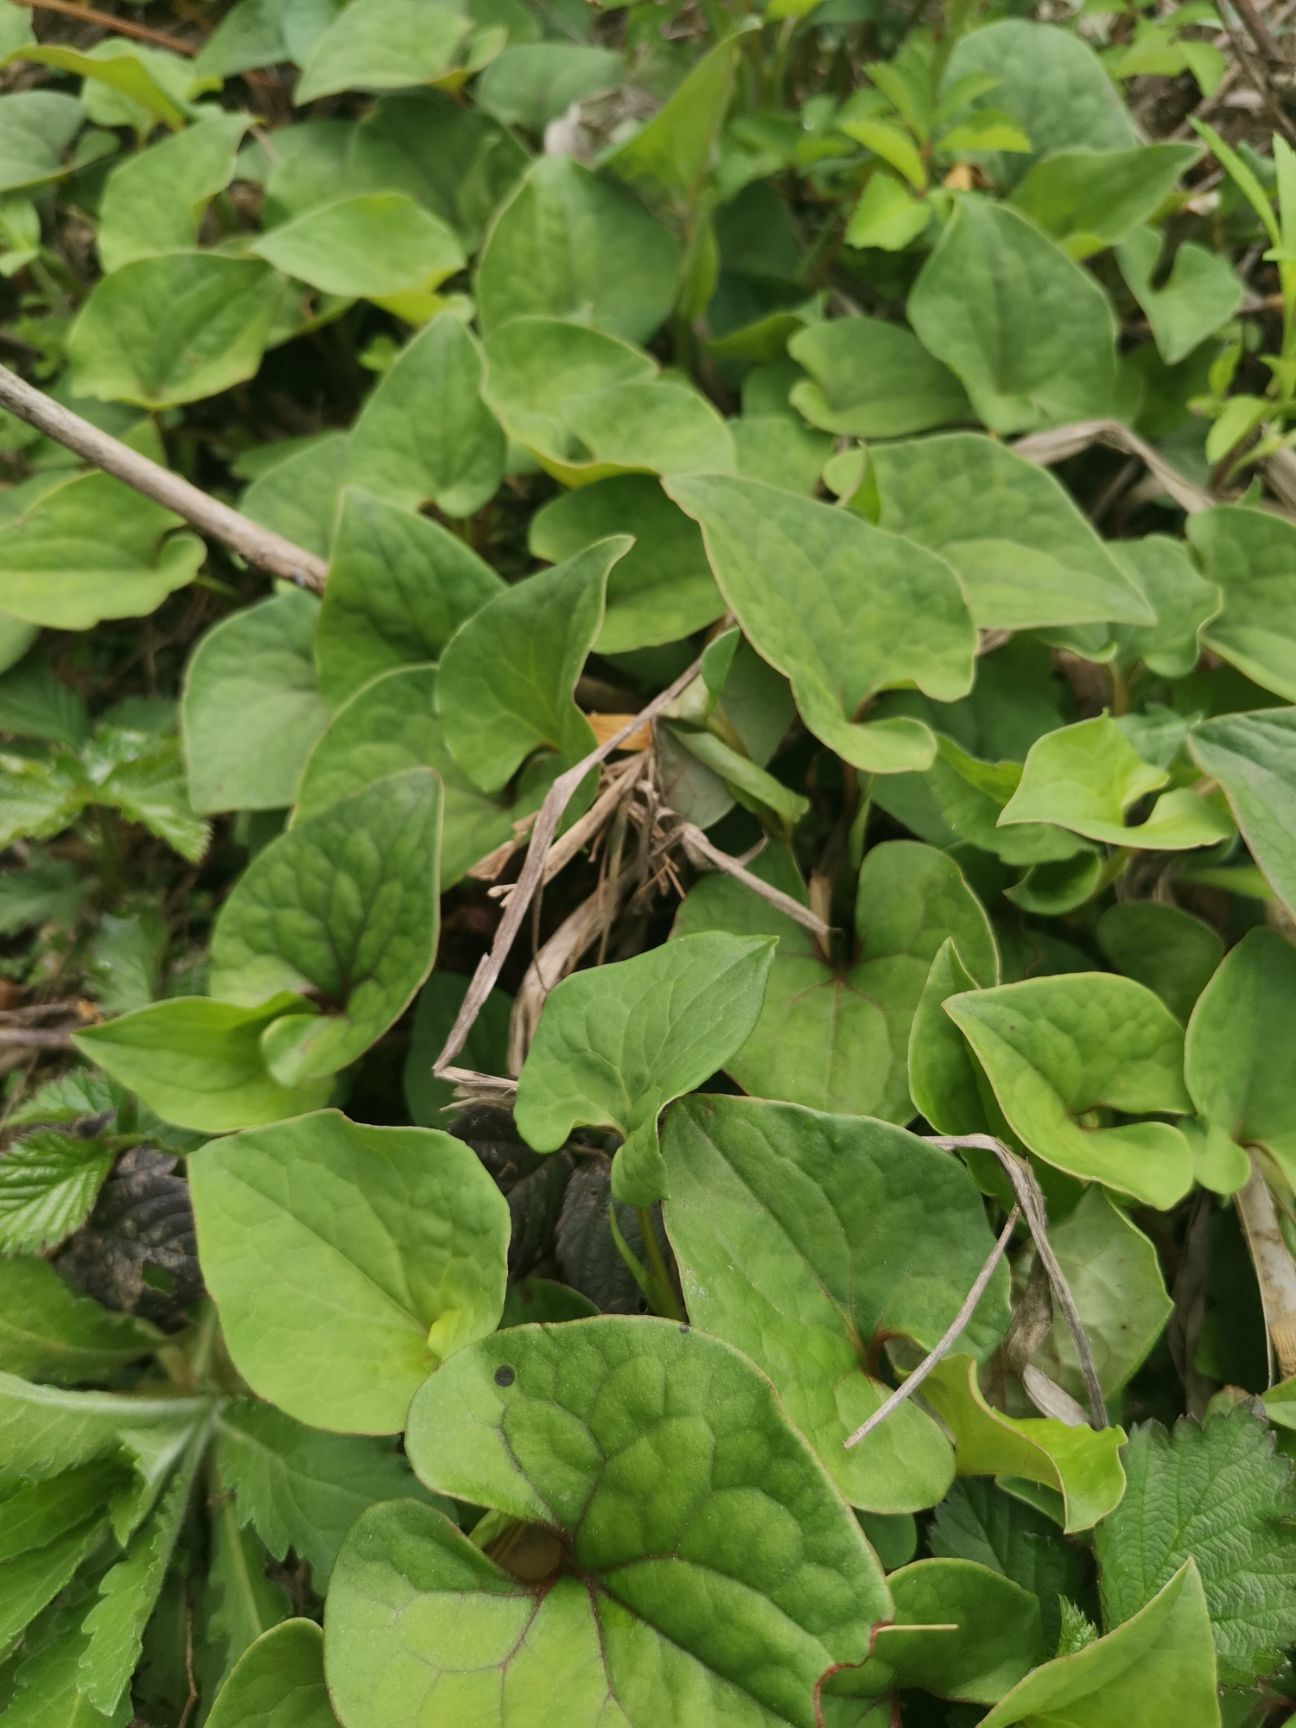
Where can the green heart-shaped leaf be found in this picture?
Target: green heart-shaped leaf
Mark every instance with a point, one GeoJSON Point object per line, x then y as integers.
{"type": "Point", "coordinates": [347, 1262]}
{"type": "Point", "coordinates": [1253, 756]}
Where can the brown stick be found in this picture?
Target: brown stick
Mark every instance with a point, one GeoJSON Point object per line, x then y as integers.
{"type": "Point", "coordinates": [1274, 1268]}
{"type": "Point", "coordinates": [558, 797]}
{"type": "Point", "coordinates": [106, 21]}
{"type": "Point", "coordinates": [949, 1338]}
{"type": "Point", "coordinates": [1055, 445]}
{"type": "Point", "coordinates": [260, 546]}
{"type": "Point", "coordinates": [33, 1038]}
{"type": "Point", "coordinates": [1031, 1201]}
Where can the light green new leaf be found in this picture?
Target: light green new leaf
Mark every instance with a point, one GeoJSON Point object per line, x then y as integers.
{"type": "Point", "coordinates": [278, 1682]}
{"type": "Point", "coordinates": [1058, 1049]}
{"type": "Point", "coordinates": [382, 45]}
{"type": "Point", "coordinates": [371, 246]}
{"type": "Point", "coordinates": [1251, 555]}
{"type": "Point", "coordinates": [807, 1241]}
{"type": "Point", "coordinates": [1049, 82]}
{"type": "Point", "coordinates": [251, 709]}
{"type": "Point", "coordinates": [668, 157]}
{"type": "Point", "coordinates": [715, 1574]}
{"type": "Point", "coordinates": [31, 1579]}
{"type": "Point", "coordinates": [45, 1430]}
{"type": "Point", "coordinates": [92, 548]}
{"type": "Point", "coordinates": [1253, 757]}
{"type": "Point", "coordinates": [1237, 1051]}
{"type": "Point", "coordinates": [663, 588]}
{"type": "Point", "coordinates": [49, 1690]}
{"type": "Point", "coordinates": [425, 436]}
{"type": "Point", "coordinates": [300, 1488]}
{"type": "Point", "coordinates": [126, 70]}
{"type": "Point", "coordinates": [154, 201]}
{"type": "Point", "coordinates": [568, 244]}
{"type": "Point", "coordinates": [615, 1044]}
{"type": "Point", "coordinates": [173, 328]}
{"type": "Point", "coordinates": [1085, 777]}
{"type": "Point", "coordinates": [835, 1037]}
{"type": "Point", "coordinates": [390, 725]}
{"type": "Point", "coordinates": [843, 609]}
{"type": "Point", "coordinates": [1157, 1668]}
{"type": "Point", "coordinates": [942, 1073]}
{"type": "Point", "coordinates": [1080, 1464]}
{"type": "Point", "coordinates": [1201, 292]}
{"type": "Point", "coordinates": [870, 379]}
{"type": "Point", "coordinates": [1026, 556]}
{"type": "Point", "coordinates": [1220, 1493]}
{"type": "Point", "coordinates": [36, 127]}
{"type": "Point", "coordinates": [1182, 600]}
{"type": "Point", "coordinates": [199, 1063]}
{"type": "Point", "coordinates": [1030, 335]}
{"type": "Point", "coordinates": [347, 1262]}
{"type": "Point", "coordinates": [961, 1630]}
{"type": "Point", "coordinates": [1115, 1276]}
{"type": "Point", "coordinates": [48, 1332]}
{"type": "Point", "coordinates": [505, 685]}
{"type": "Point", "coordinates": [399, 586]}
{"type": "Point", "coordinates": [343, 906]}
{"type": "Point", "coordinates": [1090, 199]}
{"type": "Point", "coordinates": [588, 406]}
{"type": "Point", "coordinates": [49, 1180]}
{"type": "Point", "coordinates": [1163, 947]}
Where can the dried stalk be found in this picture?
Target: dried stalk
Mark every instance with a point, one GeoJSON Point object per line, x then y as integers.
{"type": "Point", "coordinates": [557, 799]}
{"type": "Point", "coordinates": [1047, 448]}
{"type": "Point", "coordinates": [260, 546]}
{"type": "Point", "coordinates": [703, 855]}
{"type": "Point", "coordinates": [1274, 1268]}
{"type": "Point", "coordinates": [908, 1387]}
{"type": "Point", "coordinates": [1031, 1201]}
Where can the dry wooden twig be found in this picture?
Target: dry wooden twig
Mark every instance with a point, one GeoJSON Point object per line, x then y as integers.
{"type": "Point", "coordinates": [557, 799]}
{"type": "Point", "coordinates": [1047, 448]}
{"type": "Point", "coordinates": [1031, 1201]}
{"type": "Point", "coordinates": [1274, 1268]}
{"type": "Point", "coordinates": [949, 1338]}
{"type": "Point", "coordinates": [260, 546]}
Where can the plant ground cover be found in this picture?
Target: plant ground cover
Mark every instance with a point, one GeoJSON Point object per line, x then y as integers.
{"type": "Point", "coordinates": [647, 985]}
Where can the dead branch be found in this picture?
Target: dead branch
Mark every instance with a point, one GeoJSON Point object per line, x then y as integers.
{"type": "Point", "coordinates": [1274, 1268]}
{"type": "Point", "coordinates": [1048, 448]}
{"type": "Point", "coordinates": [951, 1336]}
{"type": "Point", "coordinates": [260, 546]}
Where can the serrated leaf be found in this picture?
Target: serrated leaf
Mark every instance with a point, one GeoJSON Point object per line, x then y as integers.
{"type": "Point", "coordinates": [300, 1488]}
{"type": "Point", "coordinates": [92, 548]}
{"type": "Point", "coordinates": [1087, 776]}
{"type": "Point", "coordinates": [870, 379]}
{"type": "Point", "coordinates": [805, 1241]}
{"type": "Point", "coordinates": [1218, 1493]}
{"type": "Point", "coordinates": [48, 1332]}
{"type": "Point", "coordinates": [980, 1522]}
{"type": "Point", "coordinates": [174, 328]}
{"type": "Point", "coordinates": [48, 1183]}
{"type": "Point", "coordinates": [453, 456]}
{"type": "Point", "coordinates": [199, 1063]}
{"type": "Point", "coordinates": [841, 608]}
{"type": "Point", "coordinates": [832, 1035]}
{"type": "Point", "coordinates": [35, 703]}
{"type": "Point", "coordinates": [790, 1586]}
{"type": "Point", "coordinates": [1029, 334]}
{"type": "Point", "coordinates": [570, 244]}
{"type": "Point", "coordinates": [278, 1682]}
{"type": "Point", "coordinates": [1055, 1049]}
{"type": "Point", "coordinates": [347, 1262]}
{"type": "Point", "coordinates": [1025, 554]}
{"type": "Point", "coordinates": [614, 1045]}
{"type": "Point", "coordinates": [45, 1430]}
{"type": "Point", "coordinates": [1253, 757]}
{"type": "Point", "coordinates": [241, 1603]}
{"type": "Point", "coordinates": [1079, 1464]}
{"type": "Point", "coordinates": [1251, 556]}
{"type": "Point", "coordinates": [344, 905]}
{"type": "Point", "coordinates": [505, 685]}
{"type": "Point", "coordinates": [30, 1579]}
